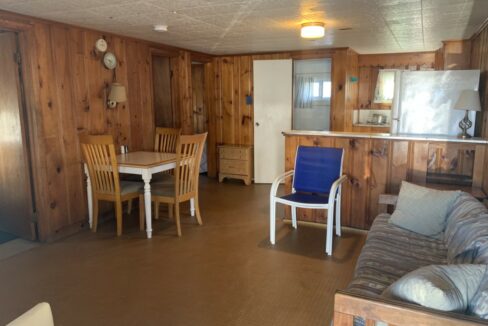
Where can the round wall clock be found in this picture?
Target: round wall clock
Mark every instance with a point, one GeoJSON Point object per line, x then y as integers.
{"type": "Point", "coordinates": [109, 60]}
{"type": "Point", "coordinates": [101, 45]}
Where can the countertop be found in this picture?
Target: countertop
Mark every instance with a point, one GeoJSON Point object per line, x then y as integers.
{"type": "Point", "coordinates": [423, 137]}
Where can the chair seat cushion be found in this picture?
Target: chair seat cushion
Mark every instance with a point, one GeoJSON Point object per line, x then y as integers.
{"type": "Point", "coordinates": [128, 187]}
{"type": "Point", "coordinates": [162, 178]}
{"type": "Point", "coordinates": [163, 190]}
{"type": "Point", "coordinates": [391, 252]}
{"type": "Point", "coordinates": [306, 198]}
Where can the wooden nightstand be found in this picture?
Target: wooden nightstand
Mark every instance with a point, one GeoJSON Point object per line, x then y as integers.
{"type": "Point", "coordinates": [235, 162]}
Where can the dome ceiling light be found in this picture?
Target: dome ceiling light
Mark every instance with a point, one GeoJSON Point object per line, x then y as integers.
{"type": "Point", "coordinates": [312, 30]}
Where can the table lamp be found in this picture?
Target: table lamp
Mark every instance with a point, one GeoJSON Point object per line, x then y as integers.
{"type": "Point", "coordinates": [469, 100]}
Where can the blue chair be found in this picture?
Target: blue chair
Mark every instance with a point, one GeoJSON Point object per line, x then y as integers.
{"type": "Point", "coordinates": [317, 183]}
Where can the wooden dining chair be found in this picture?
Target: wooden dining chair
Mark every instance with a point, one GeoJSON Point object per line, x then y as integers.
{"type": "Point", "coordinates": [165, 139]}
{"type": "Point", "coordinates": [99, 155]}
{"type": "Point", "coordinates": [185, 186]}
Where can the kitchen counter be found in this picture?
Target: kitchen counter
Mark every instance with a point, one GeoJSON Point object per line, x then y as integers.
{"type": "Point", "coordinates": [370, 125]}
{"type": "Point", "coordinates": [425, 137]}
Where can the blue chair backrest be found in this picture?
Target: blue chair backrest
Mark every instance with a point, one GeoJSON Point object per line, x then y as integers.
{"type": "Point", "coordinates": [316, 168]}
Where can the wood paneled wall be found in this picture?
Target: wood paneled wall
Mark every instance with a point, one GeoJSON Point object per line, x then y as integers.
{"type": "Point", "coordinates": [479, 60]}
{"type": "Point", "coordinates": [199, 107]}
{"type": "Point", "coordinates": [344, 88]}
{"type": "Point", "coordinates": [163, 110]}
{"type": "Point", "coordinates": [398, 60]}
{"type": "Point", "coordinates": [66, 86]}
{"type": "Point", "coordinates": [456, 55]}
{"type": "Point", "coordinates": [181, 91]}
{"type": "Point", "coordinates": [229, 80]}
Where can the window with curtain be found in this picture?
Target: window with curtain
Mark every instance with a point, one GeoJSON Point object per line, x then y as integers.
{"type": "Point", "coordinates": [385, 87]}
{"type": "Point", "coordinates": [311, 91]}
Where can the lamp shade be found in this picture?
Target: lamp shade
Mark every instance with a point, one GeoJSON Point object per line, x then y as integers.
{"type": "Point", "coordinates": [468, 100]}
{"type": "Point", "coordinates": [117, 93]}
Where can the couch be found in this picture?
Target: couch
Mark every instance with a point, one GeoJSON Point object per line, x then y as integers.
{"type": "Point", "coordinates": [390, 252]}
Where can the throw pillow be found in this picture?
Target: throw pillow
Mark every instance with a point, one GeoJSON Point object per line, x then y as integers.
{"type": "Point", "coordinates": [423, 210]}
{"type": "Point", "coordinates": [442, 287]}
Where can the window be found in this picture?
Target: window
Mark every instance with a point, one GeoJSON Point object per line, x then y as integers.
{"type": "Point", "coordinates": [326, 89]}
{"type": "Point", "coordinates": [321, 89]}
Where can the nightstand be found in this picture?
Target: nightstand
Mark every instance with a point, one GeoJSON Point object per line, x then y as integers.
{"type": "Point", "coordinates": [235, 162]}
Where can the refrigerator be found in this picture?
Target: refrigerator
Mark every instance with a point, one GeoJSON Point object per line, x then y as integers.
{"type": "Point", "coordinates": [423, 101]}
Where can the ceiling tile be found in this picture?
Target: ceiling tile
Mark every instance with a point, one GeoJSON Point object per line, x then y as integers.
{"type": "Point", "coordinates": [237, 26]}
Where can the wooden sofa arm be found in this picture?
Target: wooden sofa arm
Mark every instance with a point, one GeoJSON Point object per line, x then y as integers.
{"type": "Point", "coordinates": [347, 305]}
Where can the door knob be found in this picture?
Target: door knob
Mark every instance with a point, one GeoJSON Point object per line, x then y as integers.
{"type": "Point", "coordinates": [257, 124]}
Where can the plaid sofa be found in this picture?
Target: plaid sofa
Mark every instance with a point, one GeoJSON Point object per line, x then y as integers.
{"type": "Point", "coordinates": [390, 252]}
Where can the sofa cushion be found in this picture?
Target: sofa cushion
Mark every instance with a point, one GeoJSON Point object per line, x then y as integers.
{"type": "Point", "coordinates": [442, 287]}
{"type": "Point", "coordinates": [423, 210]}
{"type": "Point", "coordinates": [466, 234]}
{"type": "Point", "coordinates": [389, 253]}
{"type": "Point", "coordinates": [478, 306]}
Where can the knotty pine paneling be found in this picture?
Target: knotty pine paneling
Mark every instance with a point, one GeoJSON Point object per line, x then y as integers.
{"type": "Point", "coordinates": [457, 54]}
{"type": "Point", "coordinates": [479, 60]}
{"type": "Point", "coordinates": [398, 60]}
{"type": "Point", "coordinates": [199, 109]}
{"type": "Point", "coordinates": [65, 85]}
{"type": "Point", "coordinates": [369, 66]}
{"type": "Point", "coordinates": [231, 120]}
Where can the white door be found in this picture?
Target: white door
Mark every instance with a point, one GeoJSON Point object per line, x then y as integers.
{"type": "Point", "coordinates": [272, 116]}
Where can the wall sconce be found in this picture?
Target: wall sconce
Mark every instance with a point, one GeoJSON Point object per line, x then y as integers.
{"type": "Point", "coordinates": [116, 95]}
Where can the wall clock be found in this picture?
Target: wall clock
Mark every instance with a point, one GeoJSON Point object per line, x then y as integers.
{"type": "Point", "coordinates": [101, 45]}
{"type": "Point", "coordinates": [109, 60]}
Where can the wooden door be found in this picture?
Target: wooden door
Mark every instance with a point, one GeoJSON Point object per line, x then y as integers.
{"type": "Point", "coordinates": [272, 115]}
{"type": "Point", "coordinates": [163, 111]}
{"type": "Point", "coordinates": [16, 204]}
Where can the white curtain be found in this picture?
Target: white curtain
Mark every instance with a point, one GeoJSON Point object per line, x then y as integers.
{"type": "Point", "coordinates": [385, 86]}
{"type": "Point", "coordinates": [303, 92]}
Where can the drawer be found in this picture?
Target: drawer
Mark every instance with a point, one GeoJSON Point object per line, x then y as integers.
{"type": "Point", "coordinates": [234, 153]}
{"type": "Point", "coordinates": [234, 167]}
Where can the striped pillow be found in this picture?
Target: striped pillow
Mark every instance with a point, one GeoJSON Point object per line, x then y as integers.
{"type": "Point", "coordinates": [466, 234]}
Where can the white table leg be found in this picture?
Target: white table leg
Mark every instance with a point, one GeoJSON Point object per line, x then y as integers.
{"type": "Point", "coordinates": [146, 176]}
{"type": "Point", "coordinates": [192, 206]}
{"type": "Point", "coordinates": [89, 197]}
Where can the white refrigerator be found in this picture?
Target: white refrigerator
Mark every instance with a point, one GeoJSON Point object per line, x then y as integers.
{"type": "Point", "coordinates": [424, 100]}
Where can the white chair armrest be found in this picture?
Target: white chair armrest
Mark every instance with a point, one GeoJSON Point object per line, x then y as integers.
{"type": "Point", "coordinates": [277, 181]}
{"type": "Point", "coordinates": [39, 315]}
{"type": "Point", "coordinates": [335, 188]}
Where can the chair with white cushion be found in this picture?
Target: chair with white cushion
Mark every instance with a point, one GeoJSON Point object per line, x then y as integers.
{"type": "Point", "coordinates": [317, 180]}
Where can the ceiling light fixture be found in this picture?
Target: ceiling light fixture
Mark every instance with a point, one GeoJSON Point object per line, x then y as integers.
{"type": "Point", "coordinates": [312, 30]}
{"type": "Point", "coordinates": [160, 28]}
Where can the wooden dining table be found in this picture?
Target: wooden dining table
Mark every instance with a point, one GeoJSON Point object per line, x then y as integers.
{"type": "Point", "coordinates": [144, 164]}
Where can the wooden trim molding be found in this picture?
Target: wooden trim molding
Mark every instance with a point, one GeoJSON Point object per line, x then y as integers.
{"type": "Point", "coordinates": [15, 24]}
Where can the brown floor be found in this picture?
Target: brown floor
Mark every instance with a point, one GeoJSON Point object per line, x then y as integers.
{"type": "Point", "coordinates": [222, 273]}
